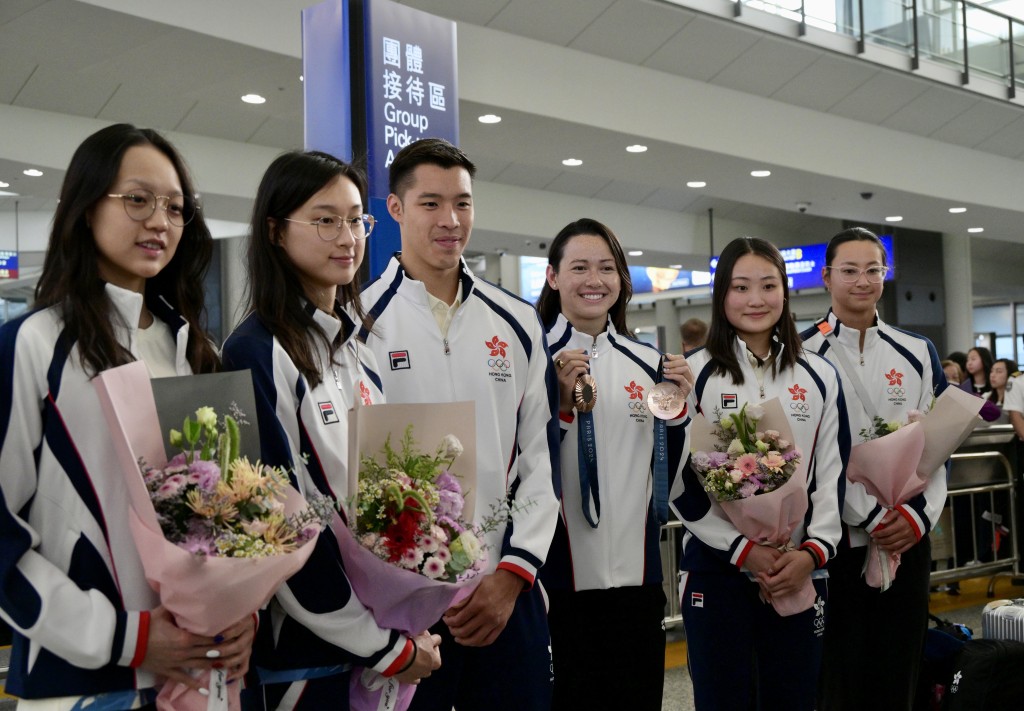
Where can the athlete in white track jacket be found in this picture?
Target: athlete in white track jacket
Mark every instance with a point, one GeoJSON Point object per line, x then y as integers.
{"type": "Point", "coordinates": [496, 355]}
{"type": "Point", "coordinates": [72, 585]}
{"type": "Point", "coordinates": [624, 548]}
{"type": "Point", "coordinates": [809, 394]}
{"type": "Point", "coordinates": [901, 372]}
{"type": "Point", "coordinates": [315, 622]}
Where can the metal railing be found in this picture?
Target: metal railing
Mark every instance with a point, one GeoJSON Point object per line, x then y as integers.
{"type": "Point", "coordinates": [977, 40]}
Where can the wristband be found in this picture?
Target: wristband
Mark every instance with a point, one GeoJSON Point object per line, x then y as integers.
{"type": "Point", "coordinates": [412, 660]}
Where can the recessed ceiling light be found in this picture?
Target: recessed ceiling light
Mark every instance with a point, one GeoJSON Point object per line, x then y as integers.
{"type": "Point", "coordinates": [32, 172]}
{"type": "Point", "coordinates": [572, 162]}
{"type": "Point", "coordinates": [957, 210]}
{"type": "Point", "coordinates": [635, 252]}
{"type": "Point", "coordinates": [490, 118]}
{"type": "Point", "coordinates": [4, 185]}
{"type": "Point", "coordinates": [254, 99]}
{"type": "Point", "coordinates": [675, 266]}
{"type": "Point", "coordinates": [760, 173]}
{"type": "Point", "coordinates": [975, 230]}
{"type": "Point", "coordinates": [696, 184]}
{"type": "Point", "coordinates": [894, 218]}
{"type": "Point", "coordinates": [302, 78]}
{"type": "Point", "coordinates": [636, 148]}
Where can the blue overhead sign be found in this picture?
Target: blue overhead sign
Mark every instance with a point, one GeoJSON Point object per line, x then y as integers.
{"type": "Point", "coordinates": [326, 89]}
{"type": "Point", "coordinates": [8, 265]}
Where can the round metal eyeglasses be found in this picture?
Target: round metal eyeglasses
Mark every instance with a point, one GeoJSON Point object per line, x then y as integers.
{"type": "Point", "coordinates": [329, 227]}
{"type": "Point", "coordinates": [141, 204]}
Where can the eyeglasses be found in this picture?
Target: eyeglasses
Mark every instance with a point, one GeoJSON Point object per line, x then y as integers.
{"type": "Point", "coordinates": [328, 227]}
{"type": "Point", "coordinates": [141, 204]}
{"type": "Point", "coordinates": [851, 275]}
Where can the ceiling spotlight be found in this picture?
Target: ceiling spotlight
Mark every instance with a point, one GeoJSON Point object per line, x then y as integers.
{"type": "Point", "coordinates": [32, 172]}
{"type": "Point", "coordinates": [894, 218]}
{"type": "Point", "coordinates": [636, 148]}
{"type": "Point", "coordinates": [675, 266]}
{"type": "Point", "coordinates": [572, 162]}
{"type": "Point", "coordinates": [302, 78]}
{"type": "Point", "coordinates": [489, 118]}
{"type": "Point", "coordinates": [957, 210]}
{"type": "Point", "coordinates": [4, 185]}
{"type": "Point", "coordinates": [975, 230]}
{"type": "Point", "coordinates": [760, 173]}
{"type": "Point", "coordinates": [696, 184]}
{"type": "Point", "coordinates": [254, 99]}
{"type": "Point", "coordinates": [635, 252]}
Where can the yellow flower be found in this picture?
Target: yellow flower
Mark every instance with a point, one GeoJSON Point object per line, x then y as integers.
{"type": "Point", "coordinates": [207, 417]}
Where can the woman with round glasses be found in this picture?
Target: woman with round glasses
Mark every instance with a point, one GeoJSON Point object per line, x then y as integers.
{"type": "Point", "coordinates": [874, 641]}
{"type": "Point", "coordinates": [121, 281]}
{"type": "Point", "coordinates": [307, 240]}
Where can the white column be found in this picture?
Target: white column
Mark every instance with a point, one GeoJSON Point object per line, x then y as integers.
{"type": "Point", "coordinates": [668, 320]}
{"type": "Point", "coordinates": [233, 277]}
{"type": "Point", "coordinates": [956, 272]}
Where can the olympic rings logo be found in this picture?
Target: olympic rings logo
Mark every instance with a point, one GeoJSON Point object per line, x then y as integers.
{"type": "Point", "coordinates": [899, 392]}
{"type": "Point", "coordinates": [637, 405]}
{"type": "Point", "coordinates": [499, 363]}
{"type": "Point", "coordinates": [800, 407]}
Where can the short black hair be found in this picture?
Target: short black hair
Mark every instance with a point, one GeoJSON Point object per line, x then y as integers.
{"type": "Point", "coordinates": [427, 151]}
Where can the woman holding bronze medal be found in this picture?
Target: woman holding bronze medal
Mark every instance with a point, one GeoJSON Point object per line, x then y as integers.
{"type": "Point", "coordinates": [603, 573]}
{"type": "Point", "coordinates": [753, 361]}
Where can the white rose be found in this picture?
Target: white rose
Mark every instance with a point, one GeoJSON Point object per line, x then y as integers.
{"type": "Point", "coordinates": [452, 446]}
{"type": "Point", "coordinates": [755, 412]}
{"type": "Point", "coordinates": [470, 545]}
{"type": "Point", "coordinates": [735, 448]}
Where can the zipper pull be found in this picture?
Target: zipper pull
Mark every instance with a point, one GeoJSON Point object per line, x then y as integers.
{"type": "Point", "coordinates": [447, 350]}
{"type": "Point", "coordinates": [593, 349]}
{"type": "Point", "coordinates": [862, 357]}
{"type": "Point", "coordinates": [762, 392]}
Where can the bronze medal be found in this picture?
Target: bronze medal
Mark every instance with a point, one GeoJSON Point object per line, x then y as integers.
{"type": "Point", "coordinates": [666, 401]}
{"type": "Point", "coordinates": [585, 393]}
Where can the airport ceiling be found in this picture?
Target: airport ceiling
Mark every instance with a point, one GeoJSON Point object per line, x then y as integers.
{"type": "Point", "coordinates": [181, 67]}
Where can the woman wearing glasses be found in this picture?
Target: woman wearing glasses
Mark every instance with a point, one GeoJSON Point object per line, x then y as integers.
{"type": "Point", "coordinates": [308, 236]}
{"type": "Point", "coordinates": [121, 281]}
{"type": "Point", "coordinates": [874, 641]}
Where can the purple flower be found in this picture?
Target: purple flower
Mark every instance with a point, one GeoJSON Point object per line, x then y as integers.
{"type": "Point", "coordinates": [749, 488]}
{"type": "Point", "coordinates": [718, 459]}
{"type": "Point", "coordinates": [451, 523]}
{"type": "Point", "coordinates": [791, 454]}
{"type": "Point", "coordinates": [207, 473]}
{"type": "Point", "coordinates": [178, 460]}
{"type": "Point", "coordinates": [700, 461]}
{"type": "Point", "coordinates": [446, 482]}
{"type": "Point", "coordinates": [449, 503]}
{"type": "Point", "coordinates": [199, 546]}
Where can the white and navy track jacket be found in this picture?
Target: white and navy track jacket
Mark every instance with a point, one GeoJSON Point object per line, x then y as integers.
{"type": "Point", "coordinates": [316, 622]}
{"type": "Point", "coordinates": [811, 395]}
{"type": "Point", "coordinates": [71, 582]}
{"type": "Point", "coordinates": [497, 356]}
{"type": "Point", "coordinates": [900, 371]}
{"type": "Point", "coordinates": [624, 548]}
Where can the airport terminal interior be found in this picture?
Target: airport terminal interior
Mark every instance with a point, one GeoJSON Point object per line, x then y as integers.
{"type": "Point", "coordinates": [681, 124]}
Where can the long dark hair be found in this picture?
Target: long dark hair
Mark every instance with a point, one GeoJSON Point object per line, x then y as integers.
{"type": "Point", "coordinates": [550, 302]}
{"type": "Point", "coordinates": [722, 336]}
{"type": "Point", "coordinates": [986, 365]}
{"type": "Point", "coordinates": [70, 279]}
{"type": "Point", "coordinates": [1011, 368]}
{"type": "Point", "coordinates": [275, 291]}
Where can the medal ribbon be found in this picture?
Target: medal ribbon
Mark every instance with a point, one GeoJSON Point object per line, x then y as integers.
{"type": "Point", "coordinates": [587, 447]}
{"type": "Point", "coordinates": [661, 463]}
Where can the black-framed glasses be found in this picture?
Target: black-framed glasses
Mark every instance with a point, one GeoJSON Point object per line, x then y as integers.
{"type": "Point", "coordinates": [328, 227]}
{"type": "Point", "coordinates": [851, 275]}
{"type": "Point", "coordinates": [141, 204]}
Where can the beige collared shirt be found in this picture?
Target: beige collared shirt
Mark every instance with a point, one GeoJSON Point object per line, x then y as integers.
{"type": "Point", "coordinates": [443, 313]}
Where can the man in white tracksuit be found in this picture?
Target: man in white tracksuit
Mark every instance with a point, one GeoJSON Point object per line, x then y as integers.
{"type": "Point", "coordinates": [442, 335]}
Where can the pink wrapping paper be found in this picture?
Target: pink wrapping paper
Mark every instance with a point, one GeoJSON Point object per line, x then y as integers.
{"type": "Point", "coordinates": [897, 467]}
{"type": "Point", "coordinates": [400, 600]}
{"type": "Point", "coordinates": [767, 519]}
{"type": "Point", "coordinates": [205, 594]}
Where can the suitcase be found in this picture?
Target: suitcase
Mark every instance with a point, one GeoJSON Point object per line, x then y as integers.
{"type": "Point", "coordinates": [1003, 619]}
{"type": "Point", "coordinates": [987, 677]}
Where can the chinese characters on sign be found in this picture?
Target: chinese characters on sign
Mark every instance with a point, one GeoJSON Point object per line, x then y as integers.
{"type": "Point", "coordinates": [8, 264]}
{"type": "Point", "coordinates": [409, 100]}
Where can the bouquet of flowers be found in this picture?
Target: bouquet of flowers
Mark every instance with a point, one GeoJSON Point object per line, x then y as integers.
{"type": "Point", "coordinates": [748, 465]}
{"type": "Point", "coordinates": [409, 509]}
{"type": "Point", "coordinates": [896, 460]}
{"type": "Point", "coordinates": [747, 461]}
{"type": "Point", "coordinates": [216, 535]}
{"type": "Point", "coordinates": [410, 549]}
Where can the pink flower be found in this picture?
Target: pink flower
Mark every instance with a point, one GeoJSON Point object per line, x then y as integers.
{"type": "Point", "coordinates": [427, 543]}
{"type": "Point", "coordinates": [747, 464]}
{"type": "Point", "coordinates": [443, 554]}
{"type": "Point", "coordinates": [171, 487]}
{"type": "Point", "coordinates": [411, 558]}
{"type": "Point", "coordinates": [773, 461]}
{"type": "Point", "coordinates": [915, 416]}
{"type": "Point", "coordinates": [433, 568]}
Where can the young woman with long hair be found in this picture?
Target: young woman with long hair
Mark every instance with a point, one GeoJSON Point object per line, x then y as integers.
{"type": "Point", "coordinates": [875, 640]}
{"type": "Point", "coordinates": [753, 354]}
{"type": "Point", "coordinates": [610, 522]}
{"type": "Point", "coordinates": [122, 281]}
{"type": "Point", "coordinates": [308, 237]}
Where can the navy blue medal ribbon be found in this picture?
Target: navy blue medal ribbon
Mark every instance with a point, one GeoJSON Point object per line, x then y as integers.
{"type": "Point", "coordinates": [660, 465]}
{"type": "Point", "coordinates": [587, 447]}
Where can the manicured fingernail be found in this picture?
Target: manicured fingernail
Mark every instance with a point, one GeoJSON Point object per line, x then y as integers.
{"type": "Point", "coordinates": [204, 692]}
{"type": "Point", "coordinates": [213, 654]}
{"type": "Point", "coordinates": [218, 639]}
{"type": "Point", "coordinates": [218, 665]}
